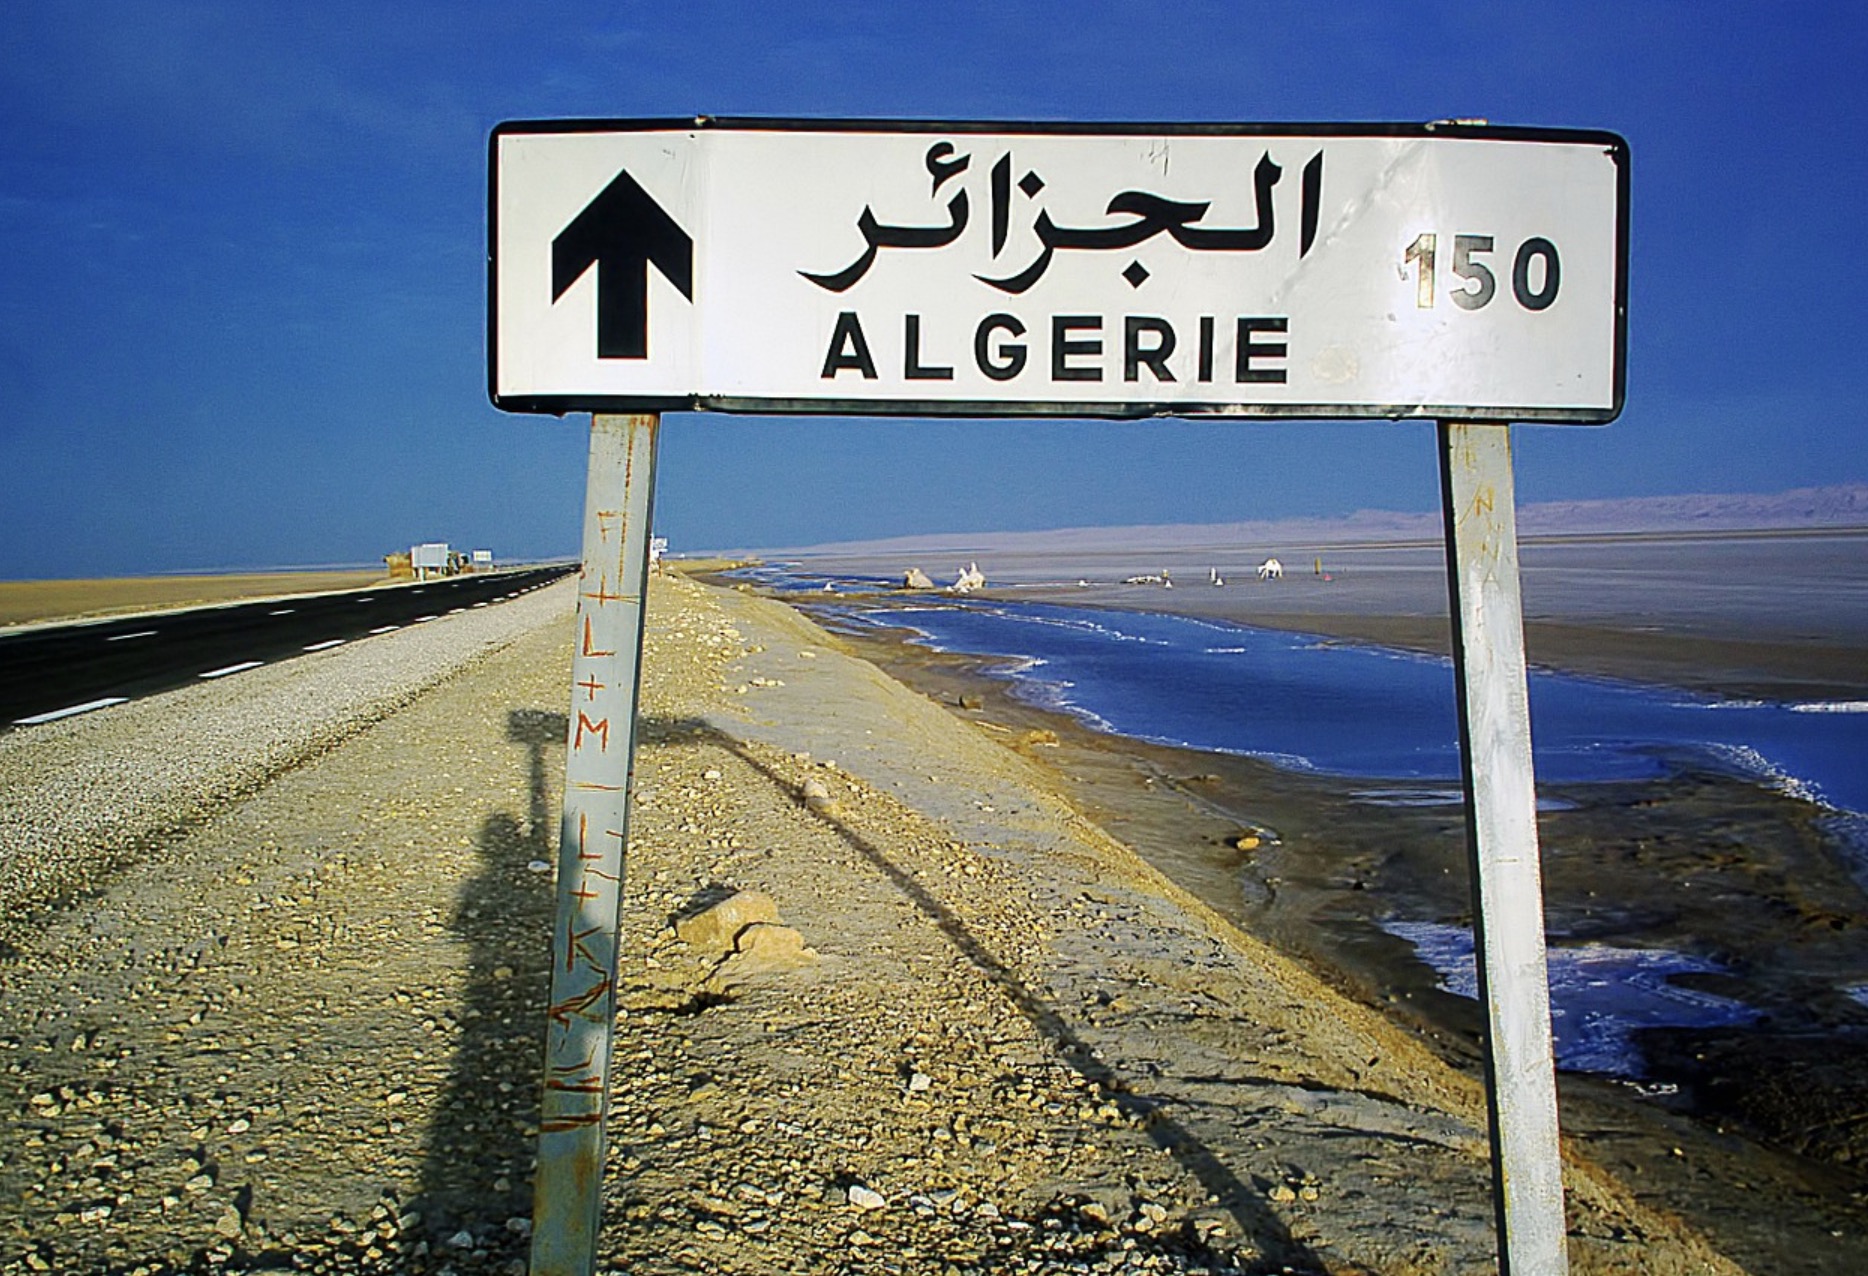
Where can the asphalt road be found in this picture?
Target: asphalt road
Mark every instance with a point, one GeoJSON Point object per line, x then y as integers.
{"type": "Point", "coordinates": [56, 671]}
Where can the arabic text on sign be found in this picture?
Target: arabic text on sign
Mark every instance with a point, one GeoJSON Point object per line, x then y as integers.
{"type": "Point", "coordinates": [1149, 215]}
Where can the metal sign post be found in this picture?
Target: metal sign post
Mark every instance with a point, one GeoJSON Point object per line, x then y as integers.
{"type": "Point", "coordinates": [1501, 831]}
{"type": "Point", "coordinates": [1453, 272]}
{"type": "Point", "coordinates": [606, 667]}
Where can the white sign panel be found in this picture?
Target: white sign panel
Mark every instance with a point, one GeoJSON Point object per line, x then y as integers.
{"type": "Point", "coordinates": [1437, 271]}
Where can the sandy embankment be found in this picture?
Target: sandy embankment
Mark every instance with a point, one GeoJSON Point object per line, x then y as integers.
{"type": "Point", "coordinates": [306, 1028]}
{"type": "Point", "coordinates": [38, 601]}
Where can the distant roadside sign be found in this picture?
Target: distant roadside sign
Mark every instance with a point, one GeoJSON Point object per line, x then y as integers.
{"type": "Point", "coordinates": [1442, 271]}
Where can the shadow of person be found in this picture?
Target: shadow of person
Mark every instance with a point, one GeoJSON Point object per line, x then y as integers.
{"type": "Point", "coordinates": [476, 1169]}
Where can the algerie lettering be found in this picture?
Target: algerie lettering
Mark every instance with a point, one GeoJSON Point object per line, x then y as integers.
{"type": "Point", "coordinates": [1247, 349]}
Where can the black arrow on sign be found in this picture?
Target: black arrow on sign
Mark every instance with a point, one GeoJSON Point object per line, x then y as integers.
{"type": "Point", "coordinates": [620, 232]}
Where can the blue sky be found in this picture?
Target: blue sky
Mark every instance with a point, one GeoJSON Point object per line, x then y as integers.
{"type": "Point", "coordinates": [242, 312]}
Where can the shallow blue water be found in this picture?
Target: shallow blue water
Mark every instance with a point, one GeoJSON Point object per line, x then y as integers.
{"type": "Point", "coordinates": [1372, 712]}
{"type": "Point", "coordinates": [1388, 717]}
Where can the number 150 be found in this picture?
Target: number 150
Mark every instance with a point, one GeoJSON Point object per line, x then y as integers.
{"type": "Point", "coordinates": [1477, 283]}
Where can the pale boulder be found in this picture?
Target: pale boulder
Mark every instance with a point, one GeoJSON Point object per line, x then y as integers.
{"type": "Point", "coordinates": [717, 928]}
{"type": "Point", "coordinates": [817, 797]}
{"type": "Point", "coordinates": [763, 948]}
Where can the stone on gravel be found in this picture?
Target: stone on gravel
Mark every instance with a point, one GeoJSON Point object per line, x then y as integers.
{"type": "Point", "coordinates": [763, 948]}
{"type": "Point", "coordinates": [717, 927]}
{"type": "Point", "coordinates": [816, 796]}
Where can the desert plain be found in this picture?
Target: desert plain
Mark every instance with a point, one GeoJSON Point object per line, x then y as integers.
{"type": "Point", "coordinates": [278, 1006]}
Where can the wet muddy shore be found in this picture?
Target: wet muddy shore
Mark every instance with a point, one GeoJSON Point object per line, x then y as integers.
{"type": "Point", "coordinates": [1697, 862]}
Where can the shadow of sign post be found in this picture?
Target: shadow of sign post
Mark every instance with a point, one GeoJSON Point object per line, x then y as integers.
{"type": "Point", "coordinates": [1452, 272]}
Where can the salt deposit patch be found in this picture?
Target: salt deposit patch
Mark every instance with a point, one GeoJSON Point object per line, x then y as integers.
{"type": "Point", "coordinates": [1599, 996]}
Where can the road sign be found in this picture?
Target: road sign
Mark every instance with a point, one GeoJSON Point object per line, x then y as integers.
{"type": "Point", "coordinates": [1462, 273]}
{"type": "Point", "coordinates": [1441, 271]}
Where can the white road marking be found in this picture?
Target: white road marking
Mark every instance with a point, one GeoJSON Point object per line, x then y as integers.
{"type": "Point", "coordinates": [420, 619]}
{"type": "Point", "coordinates": [383, 629]}
{"type": "Point", "coordinates": [283, 611]}
{"type": "Point", "coordinates": [370, 599]}
{"type": "Point", "coordinates": [328, 642]}
{"type": "Point", "coordinates": [141, 633]}
{"type": "Point", "coordinates": [56, 714]}
{"type": "Point", "coordinates": [242, 667]}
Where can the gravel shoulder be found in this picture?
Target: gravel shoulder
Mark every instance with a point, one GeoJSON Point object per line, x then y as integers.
{"type": "Point", "coordinates": [86, 795]}
{"type": "Point", "coordinates": [279, 955]}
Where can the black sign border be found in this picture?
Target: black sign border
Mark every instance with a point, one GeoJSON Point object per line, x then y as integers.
{"type": "Point", "coordinates": [560, 405]}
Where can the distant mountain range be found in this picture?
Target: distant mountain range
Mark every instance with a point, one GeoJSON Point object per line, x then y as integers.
{"type": "Point", "coordinates": [1804, 508]}
{"type": "Point", "coordinates": [1844, 505]}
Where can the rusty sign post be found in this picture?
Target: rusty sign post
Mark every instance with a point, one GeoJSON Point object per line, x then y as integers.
{"type": "Point", "coordinates": [1453, 272]}
{"type": "Point", "coordinates": [599, 764]}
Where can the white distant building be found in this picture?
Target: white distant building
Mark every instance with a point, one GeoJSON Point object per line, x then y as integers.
{"type": "Point", "coordinates": [431, 557]}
